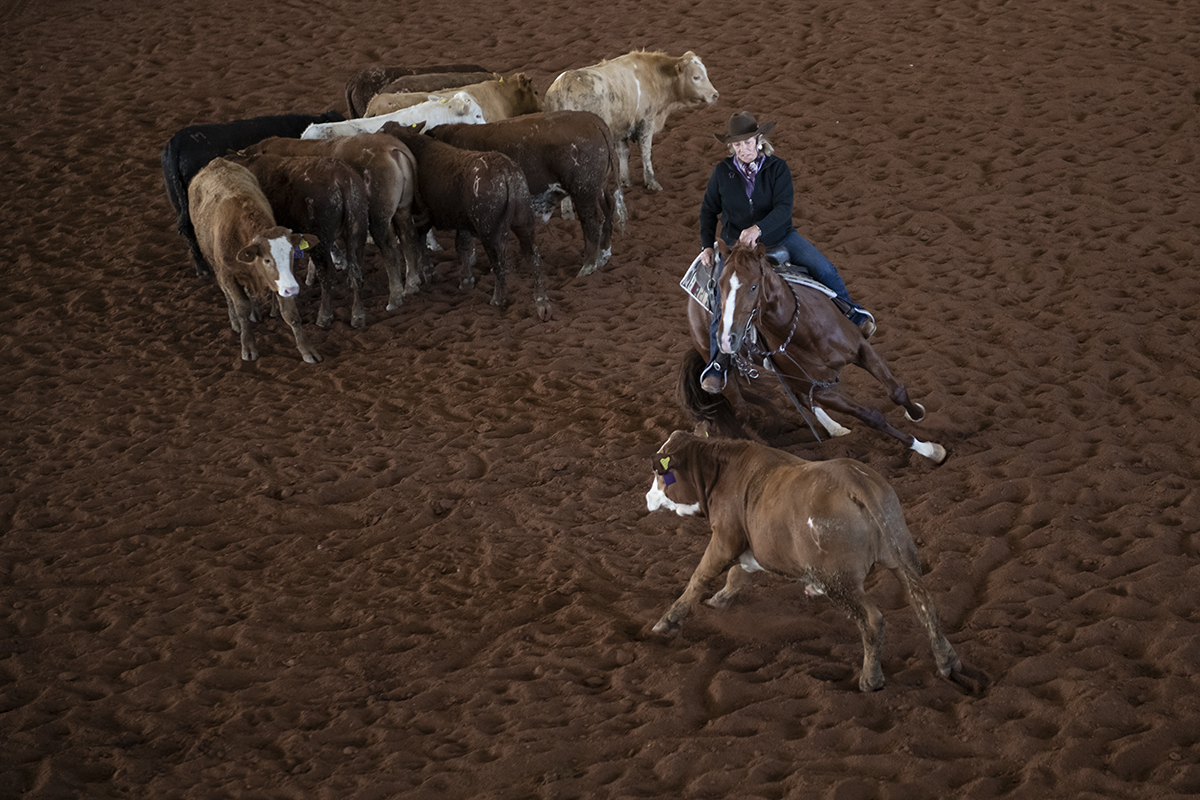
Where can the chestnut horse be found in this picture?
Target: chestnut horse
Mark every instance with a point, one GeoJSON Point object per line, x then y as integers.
{"type": "Point", "coordinates": [804, 339]}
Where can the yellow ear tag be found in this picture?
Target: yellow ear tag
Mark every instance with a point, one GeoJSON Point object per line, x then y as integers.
{"type": "Point", "coordinates": [303, 244]}
{"type": "Point", "coordinates": [442, 101]}
{"type": "Point", "coordinates": [666, 462]}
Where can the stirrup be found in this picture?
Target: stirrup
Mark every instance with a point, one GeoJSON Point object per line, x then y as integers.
{"type": "Point", "coordinates": [712, 379]}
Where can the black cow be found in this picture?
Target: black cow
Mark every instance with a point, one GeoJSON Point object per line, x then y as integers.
{"type": "Point", "coordinates": [193, 147]}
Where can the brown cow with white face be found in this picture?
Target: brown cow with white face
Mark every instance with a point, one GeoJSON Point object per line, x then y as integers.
{"type": "Point", "coordinates": [250, 255]}
{"type": "Point", "coordinates": [824, 523]}
{"type": "Point", "coordinates": [500, 99]}
{"type": "Point", "coordinates": [634, 94]}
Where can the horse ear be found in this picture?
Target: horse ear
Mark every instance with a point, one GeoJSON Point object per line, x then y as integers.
{"type": "Point", "coordinates": [722, 248]}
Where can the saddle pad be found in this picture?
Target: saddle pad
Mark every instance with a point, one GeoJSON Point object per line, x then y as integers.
{"type": "Point", "coordinates": [695, 281]}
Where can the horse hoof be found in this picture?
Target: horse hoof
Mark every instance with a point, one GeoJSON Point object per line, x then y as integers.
{"type": "Point", "coordinates": [934, 452]}
{"type": "Point", "coordinates": [917, 418]}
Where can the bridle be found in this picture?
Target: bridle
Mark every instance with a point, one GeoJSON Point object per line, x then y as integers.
{"type": "Point", "coordinates": [746, 367]}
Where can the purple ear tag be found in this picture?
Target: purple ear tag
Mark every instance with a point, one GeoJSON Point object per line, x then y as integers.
{"type": "Point", "coordinates": [668, 478]}
{"type": "Point", "coordinates": [297, 253]}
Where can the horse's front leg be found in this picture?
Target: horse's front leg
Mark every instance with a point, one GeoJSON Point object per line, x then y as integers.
{"type": "Point", "coordinates": [873, 363]}
{"type": "Point", "coordinates": [829, 397]}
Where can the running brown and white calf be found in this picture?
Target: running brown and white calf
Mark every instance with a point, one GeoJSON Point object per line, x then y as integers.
{"type": "Point", "coordinates": [825, 523]}
{"type": "Point", "coordinates": [250, 254]}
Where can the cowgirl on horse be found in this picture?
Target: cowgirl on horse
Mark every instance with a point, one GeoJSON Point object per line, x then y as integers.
{"type": "Point", "coordinates": [751, 191]}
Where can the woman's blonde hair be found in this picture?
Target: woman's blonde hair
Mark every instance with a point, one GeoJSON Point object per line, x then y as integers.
{"type": "Point", "coordinates": [767, 148]}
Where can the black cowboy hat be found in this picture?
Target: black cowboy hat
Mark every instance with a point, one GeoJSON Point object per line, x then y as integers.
{"type": "Point", "coordinates": [742, 126]}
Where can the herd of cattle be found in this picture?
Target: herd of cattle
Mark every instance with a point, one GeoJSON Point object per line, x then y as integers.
{"type": "Point", "coordinates": [450, 148]}
{"type": "Point", "coordinates": [459, 148]}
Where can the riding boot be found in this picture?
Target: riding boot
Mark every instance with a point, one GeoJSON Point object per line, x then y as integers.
{"type": "Point", "coordinates": [864, 319]}
{"type": "Point", "coordinates": [712, 379]}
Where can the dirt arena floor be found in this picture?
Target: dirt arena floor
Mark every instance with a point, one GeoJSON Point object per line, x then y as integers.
{"type": "Point", "coordinates": [424, 567]}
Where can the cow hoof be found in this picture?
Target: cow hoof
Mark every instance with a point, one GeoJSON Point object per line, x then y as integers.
{"type": "Point", "coordinates": [587, 269]}
{"type": "Point", "coordinates": [312, 357]}
{"type": "Point", "coordinates": [917, 418]}
{"type": "Point", "coordinates": [544, 311]}
{"type": "Point", "coordinates": [653, 185]}
{"type": "Point", "coordinates": [665, 627]}
{"type": "Point", "coordinates": [467, 283]}
{"type": "Point", "coordinates": [358, 321]}
{"type": "Point", "coordinates": [866, 685]}
{"type": "Point", "coordinates": [392, 306]}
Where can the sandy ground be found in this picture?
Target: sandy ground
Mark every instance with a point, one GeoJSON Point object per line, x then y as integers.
{"type": "Point", "coordinates": [424, 567]}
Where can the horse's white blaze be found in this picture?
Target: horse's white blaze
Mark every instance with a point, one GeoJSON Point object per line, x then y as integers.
{"type": "Point", "coordinates": [750, 563]}
{"type": "Point", "coordinates": [281, 251]}
{"type": "Point", "coordinates": [656, 498]}
{"type": "Point", "coordinates": [829, 424]}
{"type": "Point", "coordinates": [726, 341]}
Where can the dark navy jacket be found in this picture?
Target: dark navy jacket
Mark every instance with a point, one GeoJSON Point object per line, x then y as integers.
{"type": "Point", "coordinates": [769, 206]}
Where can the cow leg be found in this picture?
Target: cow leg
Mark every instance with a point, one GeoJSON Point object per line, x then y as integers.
{"type": "Point", "coordinates": [417, 264]}
{"type": "Point", "coordinates": [737, 580]}
{"type": "Point", "coordinates": [240, 309]}
{"type": "Point", "coordinates": [597, 233]}
{"type": "Point", "coordinates": [829, 397]}
{"type": "Point", "coordinates": [498, 253]}
{"type": "Point", "coordinates": [356, 243]}
{"type": "Point", "coordinates": [567, 208]}
{"type": "Point", "coordinates": [948, 663]}
{"type": "Point", "coordinates": [390, 248]}
{"type": "Point", "coordinates": [644, 141]}
{"type": "Point", "coordinates": [287, 308]}
{"type": "Point", "coordinates": [716, 558]}
{"type": "Point", "coordinates": [622, 147]}
{"type": "Point", "coordinates": [869, 619]}
{"type": "Point", "coordinates": [464, 246]}
{"type": "Point", "coordinates": [530, 255]}
{"type": "Point", "coordinates": [321, 263]}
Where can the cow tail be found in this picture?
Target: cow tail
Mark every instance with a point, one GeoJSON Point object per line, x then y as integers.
{"type": "Point", "coordinates": [354, 219]}
{"type": "Point", "coordinates": [616, 199]}
{"type": "Point", "coordinates": [351, 84]}
{"type": "Point", "coordinates": [711, 411]}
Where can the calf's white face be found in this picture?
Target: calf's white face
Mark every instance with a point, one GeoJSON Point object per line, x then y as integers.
{"type": "Point", "coordinates": [281, 253]}
{"type": "Point", "coordinates": [657, 498]}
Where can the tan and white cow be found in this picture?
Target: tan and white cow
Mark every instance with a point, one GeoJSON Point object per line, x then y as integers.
{"type": "Point", "coordinates": [634, 94]}
{"type": "Point", "coordinates": [825, 523]}
{"type": "Point", "coordinates": [250, 255]}
{"type": "Point", "coordinates": [499, 99]}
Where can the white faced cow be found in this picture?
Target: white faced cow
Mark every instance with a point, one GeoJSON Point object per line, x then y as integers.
{"type": "Point", "coordinates": [824, 523]}
{"type": "Point", "coordinates": [250, 254]}
{"type": "Point", "coordinates": [634, 93]}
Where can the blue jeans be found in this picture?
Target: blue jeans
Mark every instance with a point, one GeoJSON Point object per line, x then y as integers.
{"type": "Point", "coordinates": [800, 251]}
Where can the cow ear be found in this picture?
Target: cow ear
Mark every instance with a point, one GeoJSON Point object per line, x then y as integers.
{"type": "Point", "coordinates": [662, 464]}
{"type": "Point", "coordinates": [303, 241]}
{"type": "Point", "coordinates": [248, 253]}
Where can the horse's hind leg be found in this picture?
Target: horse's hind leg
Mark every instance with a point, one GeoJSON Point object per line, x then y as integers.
{"type": "Point", "coordinates": [828, 397]}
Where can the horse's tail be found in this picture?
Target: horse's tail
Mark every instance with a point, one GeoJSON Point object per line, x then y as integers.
{"type": "Point", "coordinates": [713, 411]}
